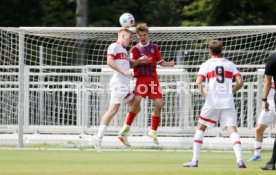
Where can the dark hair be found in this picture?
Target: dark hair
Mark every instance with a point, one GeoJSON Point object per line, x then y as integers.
{"type": "Point", "coordinates": [216, 47]}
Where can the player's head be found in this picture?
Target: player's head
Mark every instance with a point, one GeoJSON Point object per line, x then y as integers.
{"type": "Point", "coordinates": [215, 47]}
{"type": "Point", "coordinates": [142, 33]}
{"type": "Point", "coordinates": [124, 37]}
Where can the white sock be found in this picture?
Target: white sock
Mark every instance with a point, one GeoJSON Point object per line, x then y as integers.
{"type": "Point", "coordinates": [101, 131]}
{"type": "Point", "coordinates": [235, 138]}
{"type": "Point", "coordinates": [257, 148]}
{"type": "Point", "coordinates": [198, 140]}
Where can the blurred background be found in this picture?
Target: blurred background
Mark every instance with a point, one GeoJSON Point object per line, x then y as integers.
{"type": "Point", "coordinates": [68, 13]}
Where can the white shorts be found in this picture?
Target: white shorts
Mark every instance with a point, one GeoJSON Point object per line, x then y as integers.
{"type": "Point", "coordinates": [267, 117]}
{"type": "Point", "coordinates": [210, 117]}
{"type": "Point", "coordinates": [121, 93]}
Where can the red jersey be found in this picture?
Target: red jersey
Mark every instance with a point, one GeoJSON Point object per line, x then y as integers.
{"type": "Point", "coordinates": [150, 50]}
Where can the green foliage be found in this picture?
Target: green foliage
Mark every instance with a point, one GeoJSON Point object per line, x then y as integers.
{"type": "Point", "coordinates": [160, 12]}
{"type": "Point", "coordinates": [58, 13]}
{"type": "Point", "coordinates": [154, 12]}
{"type": "Point", "coordinates": [14, 13]}
{"type": "Point", "coordinates": [234, 12]}
{"type": "Point", "coordinates": [195, 13]}
{"type": "Point", "coordinates": [107, 12]}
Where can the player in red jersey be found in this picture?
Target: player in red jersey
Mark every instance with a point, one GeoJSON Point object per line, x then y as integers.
{"type": "Point", "coordinates": [147, 84]}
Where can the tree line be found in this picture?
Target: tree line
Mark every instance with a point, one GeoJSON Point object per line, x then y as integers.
{"type": "Point", "coordinates": [102, 13]}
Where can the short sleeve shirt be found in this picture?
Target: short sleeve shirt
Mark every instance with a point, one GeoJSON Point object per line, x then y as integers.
{"type": "Point", "coordinates": [270, 67]}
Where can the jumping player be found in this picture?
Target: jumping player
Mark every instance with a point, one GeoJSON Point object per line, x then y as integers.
{"type": "Point", "coordinates": [119, 61]}
{"type": "Point", "coordinates": [147, 84]}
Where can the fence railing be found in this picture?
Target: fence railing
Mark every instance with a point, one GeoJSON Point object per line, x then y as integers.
{"type": "Point", "coordinates": [59, 102]}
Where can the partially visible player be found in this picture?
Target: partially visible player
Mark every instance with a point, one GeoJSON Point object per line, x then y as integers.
{"type": "Point", "coordinates": [147, 84]}
{"type": "Point", "coordinates": [266, 118]}
{"type": "Point", "coordinates": [119, 61]}
{"type": "Point", "coordinates": [270, 76]}
{"type": "Point", "coordinates": [219, 104]}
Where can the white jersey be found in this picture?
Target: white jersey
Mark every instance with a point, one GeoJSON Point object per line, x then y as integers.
{"type": "Point", "coordinates": [122, 60]}
{"type": "Point", "coordinates": [219, 72]}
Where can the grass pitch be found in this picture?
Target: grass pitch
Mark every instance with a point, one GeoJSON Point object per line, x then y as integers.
{"type": "Point", "coordinates": [118, 162]}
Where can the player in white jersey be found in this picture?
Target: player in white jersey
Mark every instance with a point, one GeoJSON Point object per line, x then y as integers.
{"type": "Point", "coordinates": [118, 60]}
{"type": "Point", "coordinates": [266, 118]}
{"type": "Point", "coordinates": [219, 104]}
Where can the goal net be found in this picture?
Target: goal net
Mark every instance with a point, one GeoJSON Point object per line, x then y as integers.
{"type": "Point", "coordinates": [55, 80]}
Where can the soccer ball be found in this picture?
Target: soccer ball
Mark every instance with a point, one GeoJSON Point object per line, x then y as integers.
{"type": "Point", "coordinates": [127, 20]}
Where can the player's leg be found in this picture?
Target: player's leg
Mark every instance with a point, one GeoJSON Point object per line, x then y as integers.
{"type": "Point", "coordinates": [208, 118]}
{"type": "Point", "coordinates": [258, 142]}
{"type": "Point", "coordinates": [265, 118]}
{"type": "Point", "coordinates": [107, 117]}
{"type": "Point", "coordinates": [155, 93]}
{"type": "Point", "coordinates": [270, 165]}
{"type": "Point", "coordinates": [229, 120]}
{"type": "Point", "coordinates": [197, 145]}
{"type": "Point", "coordinates": [235, 139]}
{"type": "Point", "coordinates": [134, 110]}
{"type": "Point", "coordinates": [155, 119]}
{"type": "Point", "coordinates": [118, 92]}
{"type": "Point", "coordinates": [198, 141]}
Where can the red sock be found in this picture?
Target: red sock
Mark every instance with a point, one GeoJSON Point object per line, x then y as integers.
{"type": "Point", "coordinates": [129, 118]}
{"type": "Point", "coordinates": [155, 122]}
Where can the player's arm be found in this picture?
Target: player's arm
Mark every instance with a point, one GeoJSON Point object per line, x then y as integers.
{"type": "Point", "coordinates": [167, 64]}
{"type": "Point", "coordinates": [111, 63]}
{"type": "Point", "coordinates": [142, 60]}
{"type": "Point", "coordinates": [135, 60]}
{"type": "Point", "coordinates": [266, 89]}
{"type": "Point", "coordinates": [238, 85]}
{"type": "Point", "coordinates": [161, 62]}
{"type": "Point", "coordinates": [199, 83]}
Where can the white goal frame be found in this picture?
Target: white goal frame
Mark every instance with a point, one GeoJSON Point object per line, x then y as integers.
{"type": "Point", "coordinates": [82, 123]}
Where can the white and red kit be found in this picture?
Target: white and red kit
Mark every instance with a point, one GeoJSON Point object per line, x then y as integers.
{"type": "Point", "coordinates": [121, 88]}
{"type": "Point", "coordinates": [219, 104]}
{"type": "Point", "coordinates": [269, 117]}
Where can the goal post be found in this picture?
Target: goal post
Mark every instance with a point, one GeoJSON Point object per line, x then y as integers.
{"type": "Point", "coordinates": [53, 80]}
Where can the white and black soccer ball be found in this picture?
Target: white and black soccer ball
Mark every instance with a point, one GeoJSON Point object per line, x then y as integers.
{"type": "Point", "coordinates": [127, 20]}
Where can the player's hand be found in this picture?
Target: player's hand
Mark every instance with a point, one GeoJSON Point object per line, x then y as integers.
{"type": "Point", "coordinates": [144, 59]}
{"type": "Point", "coordinates": [265, 106]}
{"type": "Point", "coordinates": [171, 63]}
{"type": "Point", "coordinates": [204, 94]}
{"type": "Point", "coordinates": [128, 74]}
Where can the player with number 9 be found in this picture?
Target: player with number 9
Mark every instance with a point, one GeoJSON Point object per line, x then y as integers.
{"type": "Point", "coordinates": [219, 104]}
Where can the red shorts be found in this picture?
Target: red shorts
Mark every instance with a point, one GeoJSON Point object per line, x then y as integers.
{"type": "Point", "coordinates": [148, 87]}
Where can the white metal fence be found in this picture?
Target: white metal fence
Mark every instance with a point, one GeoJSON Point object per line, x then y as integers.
{"type": "Point", "coordinates": [59, 102]}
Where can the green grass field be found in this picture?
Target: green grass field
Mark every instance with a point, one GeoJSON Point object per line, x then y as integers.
{"type": "Point", "coordinates": [120, 162]}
